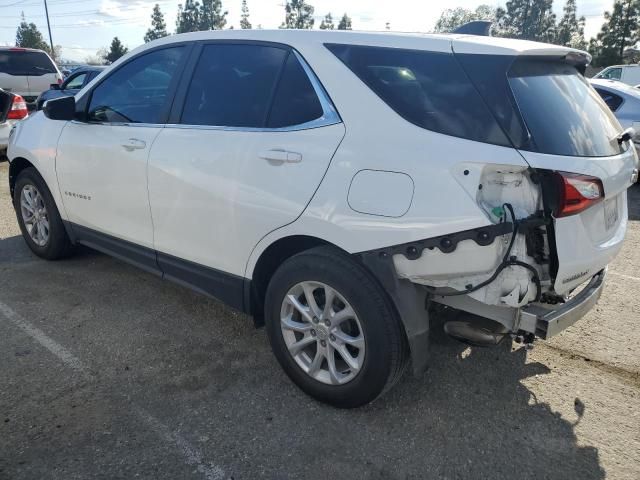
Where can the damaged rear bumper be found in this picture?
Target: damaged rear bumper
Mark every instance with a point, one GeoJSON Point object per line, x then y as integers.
{"type": "Point", "coordinates": [547, 322]}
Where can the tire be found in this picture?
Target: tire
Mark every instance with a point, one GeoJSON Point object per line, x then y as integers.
{"type": "Point", "coordinates": [55, 244]}
{"type": "Point", "coordinates": [378, 366]}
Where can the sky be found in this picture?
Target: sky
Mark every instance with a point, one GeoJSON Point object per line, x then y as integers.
{"type": "Point", "coordinates": [81, 27]}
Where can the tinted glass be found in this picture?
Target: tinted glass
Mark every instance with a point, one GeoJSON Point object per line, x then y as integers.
{"type": "Point", "coordinates": [76, 82]}
{"type": "Point", "coordinates": [612, 100]}
{"type": "Point", "coordinates": [232, 85]}
{"type": "Point", "coordinates": [15, 62]}
{"type": "Point", "coordinates": [296, 101]}
{"type": "Point", "coordinates": [612, 74]}
{"type": "Point", "coordinates": [564, 115]}
{"type": "Point", "coordinates": [138, 91]}
{"type": "Point", "coordinates": [428, 89]}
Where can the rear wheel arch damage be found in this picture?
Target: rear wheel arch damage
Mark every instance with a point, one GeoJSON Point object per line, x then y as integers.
{"type": "Point", "coordinates": [408, 300]}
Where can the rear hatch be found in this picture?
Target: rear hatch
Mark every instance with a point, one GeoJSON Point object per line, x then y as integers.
{"type": "Point", "coordinates": [27, 72]}
{"type": "Point", "coordinates": [559, 123]}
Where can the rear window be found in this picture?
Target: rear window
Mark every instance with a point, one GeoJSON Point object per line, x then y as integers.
{"type": "Point", "coordinates": [429, 89]}
{"type": "Point", "coordinates": [16, 62]}
{"type": "Point", "coordinates": [563, 114]}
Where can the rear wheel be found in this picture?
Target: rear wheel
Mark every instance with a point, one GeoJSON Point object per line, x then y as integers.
{"type": "Point", "coordinates": [333, 329]}
{"type": "Point", "coordinates": [38, 217]}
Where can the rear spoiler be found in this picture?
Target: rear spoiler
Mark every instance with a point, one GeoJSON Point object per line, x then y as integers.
{"type": "Point", "coordinates": [6, 100]}
{"type": "Point", "coordinates": [477, 27]}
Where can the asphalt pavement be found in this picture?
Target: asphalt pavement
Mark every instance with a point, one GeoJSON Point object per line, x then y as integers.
{"type": "Point", "coordinates": [109, 372]}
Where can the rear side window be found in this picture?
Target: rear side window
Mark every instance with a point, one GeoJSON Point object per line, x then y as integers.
{"type": "Point", "coordinates": [76, 82]}
{"type": "Point", "coordinates": [295, 102]}
{"type": "Point", "coordinates": [19, 63]}
{"type": "Point", "coordinates": [429, 89]}
{"type": "Point", "coordinates": [232, 85]}
{"type": "Point", "coordinates": [138, 91]}
{"type": "Point", "coordinates": [612, 100]}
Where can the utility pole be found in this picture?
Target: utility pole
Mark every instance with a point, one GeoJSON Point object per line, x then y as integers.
{"type": "Point", "coordinates": [46, 9]}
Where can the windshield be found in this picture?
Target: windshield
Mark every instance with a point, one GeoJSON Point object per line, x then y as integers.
{"type": "Point", "coordinates": [563, 114]}
{"type": "Point", "coordinates": [16, 62]}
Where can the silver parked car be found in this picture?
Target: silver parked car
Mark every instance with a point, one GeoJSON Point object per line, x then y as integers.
{"type": "Point", "coordinates": [624, 102]}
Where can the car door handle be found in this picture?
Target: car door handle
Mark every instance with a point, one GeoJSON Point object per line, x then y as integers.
{"type": "Point", "coordinates": [134, 144]}
{"type": "Point", "coordinates": [279, 156]}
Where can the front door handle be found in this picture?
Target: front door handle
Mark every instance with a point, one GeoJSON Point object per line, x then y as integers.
{"type": "Point", "coordinates": [279, 156]}
{"type": "Point", "coordinates": [134, 144]}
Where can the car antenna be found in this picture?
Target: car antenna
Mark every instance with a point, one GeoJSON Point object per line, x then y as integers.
{"type": "Point", "coordinates": [477, 27]}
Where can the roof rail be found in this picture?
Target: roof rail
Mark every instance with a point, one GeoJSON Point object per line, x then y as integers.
{"type": "Point", "coordinates": [477, 27]}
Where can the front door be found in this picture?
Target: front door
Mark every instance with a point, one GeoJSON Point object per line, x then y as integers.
{"type": "Point", "coordinates": [102, 163]}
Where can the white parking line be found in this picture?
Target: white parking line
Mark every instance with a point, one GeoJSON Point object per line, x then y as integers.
{"type": "Point", "coordinates": [628, 277]}
{"type": "Point", "coordinates": [192, 455]}
{"type": "Point", "coordinates": [68, 358]}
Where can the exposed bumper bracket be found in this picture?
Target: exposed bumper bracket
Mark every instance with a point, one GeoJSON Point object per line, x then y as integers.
{"type": "Point", "coordinates": [550, 322]}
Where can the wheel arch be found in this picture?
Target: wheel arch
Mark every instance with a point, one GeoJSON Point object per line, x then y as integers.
{"type": "Point", "coordinates": [16, 166]}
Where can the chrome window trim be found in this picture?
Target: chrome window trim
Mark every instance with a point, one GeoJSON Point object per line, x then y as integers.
{"type": "Point", "coordinates": [329, 116]}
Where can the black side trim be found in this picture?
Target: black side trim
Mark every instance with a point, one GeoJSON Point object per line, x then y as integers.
{"type": "Point", "coordinates": [228, 288]}
{"type": "Point", "coordinates": [211, 282]}
{"type": "Point", "coordinates": [483, 236]}
{"type": "Point", "coordinates": [142, 257]}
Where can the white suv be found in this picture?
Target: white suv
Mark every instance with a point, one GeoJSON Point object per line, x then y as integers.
{"type": "Point", "coordinates": [337, 184]}
{"type": "Point", "coordinates": [27, 72]}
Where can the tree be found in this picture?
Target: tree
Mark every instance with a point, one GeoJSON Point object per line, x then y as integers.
{"type": "Point", "coordinates": [619, 31]}
{"type": "Point", "coordinates": [527, 19]}
{"type": "Point", "coordinates": [571, 28]}
{"type": "Point", "coordinates": [327, 22]}
{"type": "Point", "coordinates": [453, 18]}
{"type": "Point", "coordinates": [158, 26]}
{"type": "Point", "coordinates": [211, 15]}
{"type": "Point", "coordinates": [188, 18]}
{"type": "Point", "coordinates": [299, 14]}
{"type": "Point", "coordinates": [345, 23]}
{"type": "Point", "coordinates": [245, 24]}
{"type": "Point", "coordinates": [116, 51]}
{"type": "Point", "coordinates": [28, 36]}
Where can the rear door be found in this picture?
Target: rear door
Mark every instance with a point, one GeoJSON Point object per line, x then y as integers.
{"type": "Point", "coordinates": [243, 157]}
{"type": "Point", "coordinates": [559, 123]}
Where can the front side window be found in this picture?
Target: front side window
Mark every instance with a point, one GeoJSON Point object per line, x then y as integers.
{"type": "Point", "coordinates": [611, 74]}
{"type": "Point", "coordinates": [138, 91]}
{"type": "Point", "coordinates": [429, 89]}
{"type": "Point", "coordinates": [75, 83]}
{"type": "Point", "coordinates": [25, 63]}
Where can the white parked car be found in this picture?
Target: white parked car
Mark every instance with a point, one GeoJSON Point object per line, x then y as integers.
{"type": "Point", "coordinates": [629, 74]}
{"type": "Point", "coordinates": [336, 184]}
{"type": "Point", "coordinates": [27, 72]}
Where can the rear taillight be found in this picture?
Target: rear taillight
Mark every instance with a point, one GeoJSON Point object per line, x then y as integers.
{"type": "Point", "coordinates": [577, 193]}
{"type": "Point", "coordinates": [59, 81]}
{"type": "Point", "coordinates": [18, 109]}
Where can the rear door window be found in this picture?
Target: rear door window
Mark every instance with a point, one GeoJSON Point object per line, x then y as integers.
{"type": "Point", "coordinates": [428, 89]}
{"type": "Point", "coordinates": [296, 101]}
{"type": "Point", "coordinates": [232, 85]}
{"type": "Point", "coordinates": [76, 82]}
{"type": "Point", "coordinates": [137, 92]}
{"type": "Point", "coordinates": [25, 63]}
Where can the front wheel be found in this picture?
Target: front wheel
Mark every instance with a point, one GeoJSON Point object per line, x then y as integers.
{"type": "Point", "coordinates": [38, 217]}
{"type": "Point", "coordinates": [333, 329]}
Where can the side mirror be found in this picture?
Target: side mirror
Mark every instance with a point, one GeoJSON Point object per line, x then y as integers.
{"type": "Point", "coordinates": [60, 108]}
{"type": "Point", "coordinates": [54, 86]}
